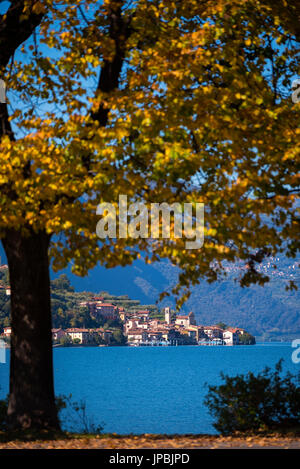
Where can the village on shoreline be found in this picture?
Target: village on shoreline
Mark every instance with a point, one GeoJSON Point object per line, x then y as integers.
{"type": "Point", "coordinates": [139, 329]}
{"type": "Point", "coordinates": [89, 319]}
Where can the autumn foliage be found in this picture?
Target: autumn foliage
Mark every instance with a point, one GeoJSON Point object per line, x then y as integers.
{"type": "Point", "coordinates": [163, 101]}
{"type": "Point", "coordinates": [196, 106]}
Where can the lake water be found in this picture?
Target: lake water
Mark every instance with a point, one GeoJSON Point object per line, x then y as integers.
{"type": "Point", "coordinates": [152, 389]}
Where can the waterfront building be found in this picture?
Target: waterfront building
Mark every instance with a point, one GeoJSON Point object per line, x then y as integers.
{"type": "Point", "coordinates": [186, 321]}
{"type": "Point", "coordinates": [213, 332]}
{"type": "Point", "coordinates": [83, 335]}
{"type": "Point", "coordinates": [136, 336]}
{"type": "Point", "coordinates": [230, 337]}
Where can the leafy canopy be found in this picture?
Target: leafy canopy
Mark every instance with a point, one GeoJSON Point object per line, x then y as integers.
{"type": "Point", "coordinates": [163, 101]}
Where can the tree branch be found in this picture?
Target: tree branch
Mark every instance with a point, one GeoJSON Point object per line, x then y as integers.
{"type": "Point", "coordinates": [16, 26]}
{"type": "Point", "coordinates": [119, 31]}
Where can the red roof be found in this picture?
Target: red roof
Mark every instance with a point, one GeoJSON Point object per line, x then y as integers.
{"type": "Point", "coordinates": [232, 329]}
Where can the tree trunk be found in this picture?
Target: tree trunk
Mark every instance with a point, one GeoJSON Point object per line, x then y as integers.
{"type": "Point", "coordinates": [31, 396]}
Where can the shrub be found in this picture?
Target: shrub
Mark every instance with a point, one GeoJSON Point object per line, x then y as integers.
{"type": "Point", "coordinates": [76, 341]}
{"type": "Point", "coordinates": [249, 403]}
{"type": "Point", "coordinates": [75, 416]}
{"type": "Point", "coordinates": [246, 339]}
{"type": "Point", "coordinates": [65, 340]}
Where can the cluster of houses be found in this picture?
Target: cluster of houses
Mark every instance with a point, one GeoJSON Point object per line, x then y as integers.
{"type": "Point", "coordinates": [82, 335]}
{"type": "Point", "coordinates": [99, 309]}
{"type": "Point", "coordinates": [75, 335]}
{"type": "Point", "coordinates": [141, 329]}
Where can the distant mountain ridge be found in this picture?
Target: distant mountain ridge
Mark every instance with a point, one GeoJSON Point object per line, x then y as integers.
{"type": "Point", "coordinates": [268, 310]}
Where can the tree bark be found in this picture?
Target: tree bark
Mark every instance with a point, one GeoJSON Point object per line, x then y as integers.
{"type": "Point", "coordinates": [31, 400]}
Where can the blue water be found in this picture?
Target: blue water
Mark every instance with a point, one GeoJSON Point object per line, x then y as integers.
{"type": "Point", "coordinates": [152, 389]}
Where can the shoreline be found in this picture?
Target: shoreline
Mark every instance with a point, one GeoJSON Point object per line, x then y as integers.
{"type": "Point", "coordinates": [158, 441]}
{"type": "Point", "coordinates": [279, 343]}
